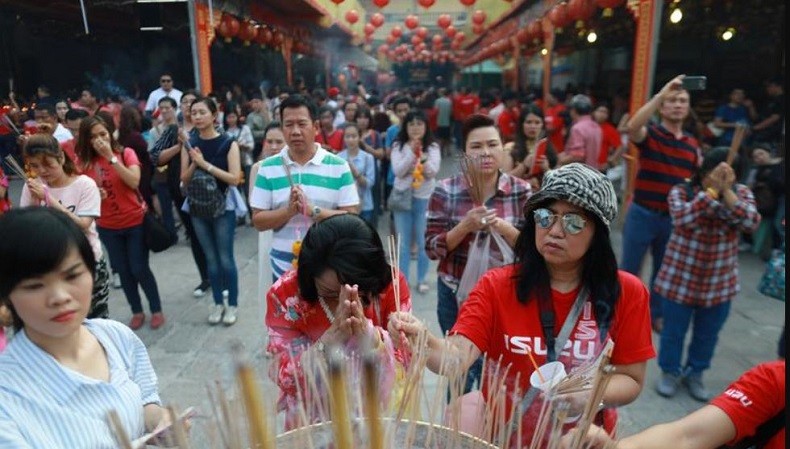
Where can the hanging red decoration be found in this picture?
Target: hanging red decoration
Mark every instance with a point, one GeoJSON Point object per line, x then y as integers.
{"type": "Point", "coordinates": [352, 16]}
{"type": "Point", "coordinates": [580, 10]}
{"type": "Point", "coordinates": [381, 3]}
{"type": "Point", "coordinates": [369, 29]}
{"type": "Point", "coordinates": [422, 32]}
{"type": "Point", "coordinates": [467, 2]}
{"type": "Point", "coordinates": [411, 21]}
{"type": "Point", "coordinates": [608, 6]}
{"type": "Point", "coordinates": [436, 39]}
{"type": "Point", "coordinates": [264, 37]}
{"type": "Point", "coordinates": [228, 27]}
{"type": "Point", "coordinates": [477, 29]}
{"type": "Point", "coordinates": [444, 21]}
{"type": "Point", "coordinates": [396, 31]}
{"type": "Point", "coordinates": [416, 40]}
{"type": "Point", "coordinates": [278, 38]}
{"type": "Point", "coordinates": [377, 19]}
{"type": "Point", "coordinates": [337, 2]}
{"type": "Point", "coordinates": [391, 39]}
{"type": "Point", "coordinates": [533, 29]}
{"type": "Point", "coordinates": [450, 31]}
{"type": "Point", "coordinates": [384, 48]}
{"type": "Point", "coordinates": [426, 3]}
{"type": "Point", "coordinates": [478, 17]}
{"type": "Point", "coordinates": [248, 32]}
{"type": "Point", "coordinates": [558, 15]}
{"type": "Point", "coordinates": [523, 36]}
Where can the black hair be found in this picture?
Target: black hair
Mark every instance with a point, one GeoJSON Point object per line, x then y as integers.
{"type": "Point", "coordinates": [274, 124]}
{"type": "Point", "coordinates": [46, 145]}
{"type": "Point", "coordinates": [352, 248]}
{"type": "Point", "coordinates": [326, 108]}
{"type": "Point", "coordinates": [402, 100]}
{"type": "Point", "coordinates": [298, 101]}
{"type": "Point", "coordinates": [599, 272]}
{"type": "Point", "coordinates": [713, 158]}
{"type": "Point", "coordinates": [210, 104]}
{"type": "Point", "coordinates": [43, 88]}
{"type": "Point", "coordinates": [35, 241]}
{"type": "Point", "coordinates": [403, 134]}
{"type": "Point", "coordinates": [76, 114]}
{"type": "Point", "coordinates": [472, 123]}
{"type": "Point", "coordinates": [168, 100]}
{"type": "Point", "coordinates": [365, 111]}
{"type": "Point", "coordinates": [48, 107]}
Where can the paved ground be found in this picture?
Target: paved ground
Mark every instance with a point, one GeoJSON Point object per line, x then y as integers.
{"type": "Point", "coordinates": [187, 353]}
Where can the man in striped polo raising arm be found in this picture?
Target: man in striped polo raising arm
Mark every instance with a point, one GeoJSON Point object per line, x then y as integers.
{"type": "Point", "coordinates": [301, 185]}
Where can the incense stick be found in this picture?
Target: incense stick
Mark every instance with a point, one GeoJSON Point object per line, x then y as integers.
{"type": "Point", "coordinates": [735, 145]}
{"type": "Point", "coordinates": [258, 428]}
{"type": "Point", "coordinates": [121, 437]}
{"type": "Point", "coordinates": [535, 365]}
{"type": "Point", "coordinates": [341, 422]}
{"type": "Point", "coordinates": [19, 171]}
{"type": "Point", "coordinates": [372, 406]}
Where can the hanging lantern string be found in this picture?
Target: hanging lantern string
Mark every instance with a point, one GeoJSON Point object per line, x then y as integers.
{"type": "Point", "coordinates": [84, 17]}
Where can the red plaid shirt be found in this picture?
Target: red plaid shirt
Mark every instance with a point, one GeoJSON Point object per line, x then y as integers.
{"type": "Point", "coordinates": [700, 266]}
{"type": "Point", "coordinates": [448, 206]}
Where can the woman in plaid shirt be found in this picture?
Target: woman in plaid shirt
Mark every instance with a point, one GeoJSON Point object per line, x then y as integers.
{"type": "Point", "coordinates": [454, 219]}
{"type": "Point", "coordinates": [699, 272]}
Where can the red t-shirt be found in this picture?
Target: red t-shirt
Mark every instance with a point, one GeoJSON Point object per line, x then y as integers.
{"type": "Point", "coordinates": [507, 122]}
{"type": "Point", "coordinates": [500, 326]}
{"type": "Point", "coordinates": [69, 148]}
{"type": "Point", "coordinates": [121, 207]}
{"type": "Point", "coordinates": [464, 106]}
{"type": "Point", "coordinates": [555, 125]}
{"type": "Point", "coordinates": [756, 397]}
{"type": "Point", "coordinates": [334, 140]}
{"type": "Point", "coordinates": [610, 141]}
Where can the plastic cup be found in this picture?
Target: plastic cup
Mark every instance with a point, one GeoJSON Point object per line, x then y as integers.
{"type": "Point", "coordinates": [553, 373]}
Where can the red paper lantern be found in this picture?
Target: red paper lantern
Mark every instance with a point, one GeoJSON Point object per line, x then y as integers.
{"type": "Point", "coordinates": [422, 32]}
{"type": "Point", "coordinates": [377, 19]}
{"type": "Point", "coordinates": [523, 36]}
{"type": "Point", "coordinates": [478, 17]}
{"type": "Point", "coordinates": [436, 39]}
{"type": "Point", "coordinates": [415, 40]}
{"type": "Point", "coordinates": [608, 6]}
{"type": "Point", "coordinates": [352, 16]}
{"type": "Point", "coordinates": [264, 37]}
{"type": "Point", "coordinates": [369, 29]}
{"type": "Point", "coordinates": [396, 31]}
{"type": "Point", "coordinates": [278, 38]}
{"type": "Point", "coordinates": [450, 31]}
{"type": "Point", "coordinates": [228, 27]}
{"type": "Point", "coordinates": [337, 2]}
{"type": "Point", "coordinates": [426, 3]}
{"type": "Point", "coordinates": [384, 48]}
{"type": "Point", "coordinates": [477, 29]}
{"type": "Point", "coordinates": [580, 10]}
{"type": "Point", "coordinates": [460, 36]}
{"type": "Point", "coordinates": [467, 2]}
{"type": "Point", "coordinates": [248, 32]}
{"type": "Point", "coordinates": [381, 3]}
{"type": "Point", "coordinates": [558, 15]}
{"type": "Point", "coordinates": [444, 21]}
{"type": "Point", "coordinates": [411, 21]}
{"type": "Point", "coordinates": [534, 29]}
{"type": "Point", "coordinates": [391, 39]}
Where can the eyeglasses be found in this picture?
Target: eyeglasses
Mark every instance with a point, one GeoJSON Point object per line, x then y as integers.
{"type": "Point", "coordinates": [571, 223]}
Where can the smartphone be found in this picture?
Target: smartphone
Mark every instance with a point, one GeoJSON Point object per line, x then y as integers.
{"type": "Point", "coordinates": [695, 82]}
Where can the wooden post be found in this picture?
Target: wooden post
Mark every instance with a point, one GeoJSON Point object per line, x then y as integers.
{"type": "Point", "coordinates": [287, 46]}
{"type": "Point", "coordinates": [647, 14]}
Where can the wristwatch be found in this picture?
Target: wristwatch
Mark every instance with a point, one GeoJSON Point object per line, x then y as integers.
{"type": "Point", "coordinates": [113, 160]}
{"type": "Point", "coordinates": [315, 212]}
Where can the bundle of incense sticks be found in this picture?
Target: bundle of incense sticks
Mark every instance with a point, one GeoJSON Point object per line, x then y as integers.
{"type": "Point", "coordinates": [18, 170]}
{"type": "Point", "coordinates": [10, 124]}
{"type": "Point", "coordinates": [473, 175]}
{"type": "Point", "coordinates": [342, 406]}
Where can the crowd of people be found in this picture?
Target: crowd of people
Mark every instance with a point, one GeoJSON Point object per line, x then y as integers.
{"type": "Point", "coordinates": [540, 186]}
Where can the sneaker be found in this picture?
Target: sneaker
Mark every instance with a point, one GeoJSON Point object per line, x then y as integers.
{"type": "Point", "coordinates": [230, 316]}
{"type": "Point", "coordinates": [137, 321]}
{"type": "Point", "coordinates": [116, 280]}
{"type": "Point", "coordinates": [696, 388]}
{"type": "Point", "coordinates": [201, 290]}
{"type": "Point", "coordinates": [667, 385]}
{"type": "Point", "coordinates": [423, 288]}
{"type": "Point", "coordinates": [216, 313]}
{"type": "Point", "coordinates": [157, 320]}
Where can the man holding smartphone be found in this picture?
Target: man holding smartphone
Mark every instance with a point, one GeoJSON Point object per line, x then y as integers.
{"type": "Point", "coordinates": [667, 156]}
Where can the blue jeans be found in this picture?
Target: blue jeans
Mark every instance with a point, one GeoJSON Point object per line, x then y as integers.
{"type": "Point", "coordinates": [408, 223]}
{"type": "Point", "coordinates": [370, 217]}
{"type": "Point", "coordinates": [645, 229]}
{"type": "Point", "coordinates": [216, 238]}
{"type": "Point", "coordinates": [166, 202]}
{"type": "Point", "coordinates": [129, 258]}
{"type": "Point", "coordinates": [708, 322]}
{"type": "Point", "coordinates": [447, 311]}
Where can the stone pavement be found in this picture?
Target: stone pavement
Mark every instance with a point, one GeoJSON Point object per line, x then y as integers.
{"type": "Point", "coordinates": [187, 353]}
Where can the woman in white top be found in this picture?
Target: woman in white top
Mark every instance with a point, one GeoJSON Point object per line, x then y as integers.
{"type": "Point", "coordinates": [58, 185]}
{"type": "Point", "coordinates": [243, 135]}
{"type": "Point", "coordinates": [62, 374]}
{"type": "Point", "coordinates": [416, 158]}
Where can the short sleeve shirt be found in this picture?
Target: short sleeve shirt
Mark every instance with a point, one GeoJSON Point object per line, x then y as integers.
{"type": "Point", "coordinates": [121, 208]}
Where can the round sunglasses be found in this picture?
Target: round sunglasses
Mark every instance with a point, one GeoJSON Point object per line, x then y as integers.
{"type": "Point", "coordinates": [572, 223]}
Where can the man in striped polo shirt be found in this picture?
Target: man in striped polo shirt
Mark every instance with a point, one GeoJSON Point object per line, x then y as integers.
{"type": "Point", "coordinates": [301, 185]}
{"type": "Point", "coordinates": [667, 156]}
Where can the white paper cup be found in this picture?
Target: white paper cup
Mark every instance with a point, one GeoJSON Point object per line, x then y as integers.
{"type": "Point", "coordinates": [553, 373]}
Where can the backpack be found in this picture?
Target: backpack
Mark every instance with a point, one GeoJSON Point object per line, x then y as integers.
{"type": "Point", "coordinates": [206, 198]}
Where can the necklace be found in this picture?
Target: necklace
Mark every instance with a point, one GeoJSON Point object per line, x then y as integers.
{"type": "Point", "coordinates": [327, 312]}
